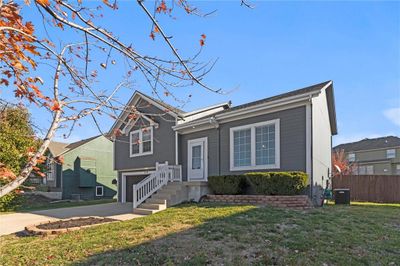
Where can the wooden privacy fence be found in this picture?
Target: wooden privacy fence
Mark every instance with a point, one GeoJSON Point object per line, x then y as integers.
{"type": "Point", "coordinates": [373, 188]}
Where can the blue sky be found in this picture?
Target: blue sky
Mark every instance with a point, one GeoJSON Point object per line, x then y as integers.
{"type": "Point", "coordinates": [276, 47]}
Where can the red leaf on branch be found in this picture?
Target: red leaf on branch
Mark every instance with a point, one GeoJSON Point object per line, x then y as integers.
{"type": "Point", "coordinates": [152, 35]}
{"type": "Point", "coordinates": [55, 106]}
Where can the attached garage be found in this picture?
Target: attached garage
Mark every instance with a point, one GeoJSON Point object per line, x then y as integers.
{"type": "Point", "coordinates": [128, 180]}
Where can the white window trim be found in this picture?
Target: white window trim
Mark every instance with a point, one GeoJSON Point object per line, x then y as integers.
{"type": "Point", "coordinates": [390, 150]}
{"type": "Point", "coordinates": [141, 153]}
{"type": "Point", "coordinates": [102, 191]}
{"type": "Point", "coordinates": [205, 157]}
{"type": "Point", "coordinates": [253, 165]}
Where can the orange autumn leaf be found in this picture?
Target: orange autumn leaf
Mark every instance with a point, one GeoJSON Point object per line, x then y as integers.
{"type": "Point", "coordinates": [43, 2]}
{"type": "Point", "coordinates": [152, 35]}
{"type": "Point", "coordinates": [201, 42]}
{"type": "Point", "coordinates": [55, 106]}
{"type": "Point", "coordinates": [203, 36]}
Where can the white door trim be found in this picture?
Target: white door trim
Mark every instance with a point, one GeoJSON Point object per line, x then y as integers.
{"type": "Point", "coordinates": [123, 182]}
{"type": "Point", "coordinates": [205, 155]}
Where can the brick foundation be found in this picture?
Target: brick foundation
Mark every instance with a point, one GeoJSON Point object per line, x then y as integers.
{"type": "Point", "coordinates": [296, 202]}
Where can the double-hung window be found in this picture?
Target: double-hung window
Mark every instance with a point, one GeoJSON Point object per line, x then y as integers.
{"type": "Point", "coordinates": [390, 154]}
{"type": "Point", "coordinates": [141, 142]}
{"type": "Point", "coordinates": [351, 157]}
{"type": "Point", "coordinates": [255, 146]}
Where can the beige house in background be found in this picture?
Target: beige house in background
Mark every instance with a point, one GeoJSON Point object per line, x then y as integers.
{"type": "Point", "coordinates": [380, 156]}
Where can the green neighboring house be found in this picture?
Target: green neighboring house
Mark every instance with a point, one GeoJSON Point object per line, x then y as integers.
{"type": "Point", "coordinates": [378, 156]}
{"type": "Point", "coordinates": [87, 169]}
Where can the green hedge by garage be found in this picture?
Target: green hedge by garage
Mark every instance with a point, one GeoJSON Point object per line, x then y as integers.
{"type": "Point", "coordinates": [262, 183]}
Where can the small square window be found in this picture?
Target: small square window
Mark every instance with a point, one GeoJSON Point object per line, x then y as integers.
{"type": "Point", "coordinates": [390, 154]}
{"type": "Point", "coordinates": [351, 157]}
{"type": "Point", "coordinates": [99, 191]}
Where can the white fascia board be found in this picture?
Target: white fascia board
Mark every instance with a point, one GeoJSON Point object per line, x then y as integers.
{"type": "Point", "coordinates": [206, 109]}
{"type": "Point", "coordinates": [132, 101]}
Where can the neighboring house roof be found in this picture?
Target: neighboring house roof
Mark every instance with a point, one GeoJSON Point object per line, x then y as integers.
{"type": "Point", "coordinates": [58, 148]}
{"type": "Point", "coordinates": [370, 144]}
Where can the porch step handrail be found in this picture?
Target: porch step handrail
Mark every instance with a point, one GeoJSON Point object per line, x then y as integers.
{"type": "Point", "coordinates": [164, 173]}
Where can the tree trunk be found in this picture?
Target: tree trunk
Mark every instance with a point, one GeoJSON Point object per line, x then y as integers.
{"type": "Point", "coordinates": [25, 172]}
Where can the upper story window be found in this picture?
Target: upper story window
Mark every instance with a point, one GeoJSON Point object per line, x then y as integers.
{"type": "Point", "coordinates": [398, 169]}
{"type": "Point", "coordinates": [390, 153]}
{"type": "Point", "coordinates": [351, 157]}
{"type": "Point", "coordinates": [255, 146]}
{"type": "Point", "coordinates": [141, 142]}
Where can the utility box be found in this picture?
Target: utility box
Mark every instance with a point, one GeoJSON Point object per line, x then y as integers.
{"type": "Point", "coordinates": [342, 195]}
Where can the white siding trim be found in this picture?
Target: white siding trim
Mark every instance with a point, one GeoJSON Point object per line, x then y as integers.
{"type": "Point", "coordinates": [141, 153]}
{"type": "Point", "coordinates": [253, 165]}
{"type": "Point", "coordinates": [102, 191]}
{"type": "Point", "coordinates": [176, 149]}
{"type": "Point", "coordinates": [123, 179]}
{"type": "Point", "coordinates": [205, 159]}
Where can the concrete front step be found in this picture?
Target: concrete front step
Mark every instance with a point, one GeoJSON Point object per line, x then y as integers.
{"type": "Point", "coordinates": [152, 206]}
{"type": "Point", "coordinates": [144, 211]}
{"type": "Point", "coordinates": [156, 201]}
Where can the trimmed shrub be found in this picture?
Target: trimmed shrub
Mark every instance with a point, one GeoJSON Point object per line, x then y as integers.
{"type": "Point", "coordinates": [277, 183]}
{"type": "Point", "coordinates": [227, 184]}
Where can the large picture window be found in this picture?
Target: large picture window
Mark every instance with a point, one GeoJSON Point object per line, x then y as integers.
{"type": "Point", "coordinates": [141, 142]}
{"type": "Point", "coordinates": [255, 146]}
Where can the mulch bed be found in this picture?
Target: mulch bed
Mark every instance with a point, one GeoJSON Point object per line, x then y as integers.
{"type": "Point", "coordinates": [74, 223]}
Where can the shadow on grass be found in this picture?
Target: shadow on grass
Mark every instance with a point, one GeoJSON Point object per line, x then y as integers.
{"type": "Point", "coordinates": [232, 238]}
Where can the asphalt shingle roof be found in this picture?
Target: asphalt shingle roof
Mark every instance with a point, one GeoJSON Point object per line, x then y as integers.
{"type": "Point", "coordinates": [370, 144]}
{"type": "Point", "coordinates": [309, 89]}
{"type": "Point", "coordinates": [57, 148]}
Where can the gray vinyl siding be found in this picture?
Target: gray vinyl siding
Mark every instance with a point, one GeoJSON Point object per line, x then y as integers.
{"type": "Point", "coordinates": [163, 142]}
{"type": "Point", "coordinates": [292, 142]}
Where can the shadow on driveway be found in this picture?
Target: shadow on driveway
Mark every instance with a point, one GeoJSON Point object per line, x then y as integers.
{"type": "Point", "coordinates": [16, 222]}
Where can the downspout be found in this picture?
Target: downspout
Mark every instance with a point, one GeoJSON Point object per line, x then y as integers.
{"type": "Point", "coordinates": [219, 151]}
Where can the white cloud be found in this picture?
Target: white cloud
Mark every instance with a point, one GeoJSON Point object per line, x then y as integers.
{"type": "Point", "coordinates": [393, 114]}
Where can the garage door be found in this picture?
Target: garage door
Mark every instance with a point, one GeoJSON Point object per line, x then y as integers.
{"type": "Point", "coordinates": [130, 181]}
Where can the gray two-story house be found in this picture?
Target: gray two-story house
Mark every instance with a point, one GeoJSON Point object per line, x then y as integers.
{"type": "Point", "coordinates": [288, 132]}
{"type": "Point", "coordinates": [378, 156]}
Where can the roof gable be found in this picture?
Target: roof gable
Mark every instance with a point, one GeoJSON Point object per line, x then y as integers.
{"type": "Point", "coordinates": [59, 148]}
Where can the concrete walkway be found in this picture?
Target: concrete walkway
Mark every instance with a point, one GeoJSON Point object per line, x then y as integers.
{"type": "Point", "coordinates": [16, 222]}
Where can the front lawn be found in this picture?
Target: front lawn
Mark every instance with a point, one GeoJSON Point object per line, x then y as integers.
{"type": "Point", "coordinates": [201, 234]}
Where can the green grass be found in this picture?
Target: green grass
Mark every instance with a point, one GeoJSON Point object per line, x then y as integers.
{"type": "Point", "coordinates": [32, 205]}
{"type": "Point", "coordinates": [191, 234]}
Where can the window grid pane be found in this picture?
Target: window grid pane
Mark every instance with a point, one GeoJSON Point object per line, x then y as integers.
{"type": "Point", "coordinates": [196, 157]}
{"type": "Point", "coordinates": [242, 147]}
{"type": "Point", "coordinates": [265, 145]}
{"type": "Point", "coordinates": [146, 146]}
{"type": "Point", "coordinates": [135, 143]}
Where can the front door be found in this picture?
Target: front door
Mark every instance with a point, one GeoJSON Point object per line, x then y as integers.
{"type": "Point", "coordinates": [197, 159]}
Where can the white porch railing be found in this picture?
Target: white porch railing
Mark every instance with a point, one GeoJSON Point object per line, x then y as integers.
{"type": "Point", "coordinates": [164, 173]}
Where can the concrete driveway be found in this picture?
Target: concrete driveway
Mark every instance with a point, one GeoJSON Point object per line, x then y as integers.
{"type": "Point", "coordinates": [16, 222]}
